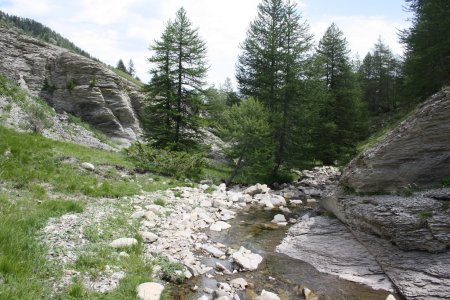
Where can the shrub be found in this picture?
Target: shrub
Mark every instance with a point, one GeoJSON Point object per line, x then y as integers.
{"type": "Point", "coordinates": [71, 84]}
{"type": "Point", "coordinates": [93, 81]}
{"type": "Point", "coordinates": [170, 163]}
{"type": "Point", "coordinates": [446, 181]}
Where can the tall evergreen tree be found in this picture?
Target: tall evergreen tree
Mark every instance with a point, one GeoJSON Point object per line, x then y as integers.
{"type": "Point", "coordinates": [178, 80]}
{"type": "Point", "coordinates": [131, 69]}
{"type": "Point", "coordinates": [121, 66]}
{"type": "Point", "coordinates": [269, 69]}
{"type": "Point", "coordinates": [342, 116]}
{"type": "Point", "coordinates": [427, 66]}
{"type": "Point", "coordinates": [381, 79]}
{"type": "Point", "coordinates": [231, 97]}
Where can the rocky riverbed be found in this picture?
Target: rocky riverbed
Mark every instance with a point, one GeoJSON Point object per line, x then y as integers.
{"type": "Point", "coordinates": [223, 240]}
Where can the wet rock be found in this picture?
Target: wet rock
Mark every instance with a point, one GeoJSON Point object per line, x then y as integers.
{"type": "Point", "coordinates": [223, 286]}
{"type": "Point", "coordinates": [279, 218]}
{"type": "Point", "coordinates": [219, 226]}
{"type": "Point", "coordinates": [222, 268]}
{"type": "Point", "coordinates": [123, 243]}
{"type": "Point", "coordinates": [213, 251]}
{"type": "Point", "coordinates": [219, 294]}
{"type": "Point", "coordinates": [246, 259]}
{"type": "Point", "coordinates": [88, 166]}
{"type": "Point", "coordinates": [149, 291]}
{"type": "Point", "coordinates": [309, 295]}
{"type": "Point", "coordinates": [330, 247]}
{"type": "Point", "coordinates": [265, 295]}
{"type": "Point", "coordinates": [148, 237]}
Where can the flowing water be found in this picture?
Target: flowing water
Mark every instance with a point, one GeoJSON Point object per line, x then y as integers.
{"type": "Point", "coordinates": [277, 273]}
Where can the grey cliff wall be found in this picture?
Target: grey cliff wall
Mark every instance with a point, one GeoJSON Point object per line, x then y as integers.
{"type": "Point", "coordinates": [100, 97]}
{"type": "Point", "coordinates": [415, 154]}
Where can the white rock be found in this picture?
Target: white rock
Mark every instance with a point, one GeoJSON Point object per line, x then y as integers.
{"type": "Point", "coordinates": [213, 250]}
{"type": "Point", "coordinates": [123, 242]}
{"type": "Point", "coordinates": [204, 297]}
{"type": "Point", "coordinates": [222, 187]}
{"type": "Point", "coordinates": [223, 286]}
{"type": "Point", "coordinates": [311, 200]}
{"type": "Point", "coordinates": [138, 214]}
{"type": "Point", "coordinates": [150, 215]}
{"type": "Point", "coordinates": [265, 295]}
{"type": "Point", "coordinates": [219, 203]}
{"type": "Point", "coordinates": [239, 283]}
{"type": "Point", "coordinates": [149, 291]}
{"type": "Point", "coordinates": [390, 297]}
{"type": "Point", "coordinates": [219, 226]}
{"type": "Point", "coordinates": [309, 295]}
{"type": "Point", "coordinates": [88, 166]}
{"type": "Point", "coordinates": [148, 237]}
{"type": "Point", "coordinates": [278, 200]}
{"type": "Point", "coordinates": [246, 259]}
{"type": "Point", "coordinates": [279, 218]}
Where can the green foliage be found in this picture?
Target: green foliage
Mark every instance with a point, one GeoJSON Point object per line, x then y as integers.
{"type": "Point", "coordinates": [121, 66]}
{"type": "Point", "coordinates": [340, 123]}
{"type": "Point", "coordinates": [169, 268]}
{"type": "Point", "coordinates": [424, 216]}
{"type": "Point", "coordinates": [269, 68]}
{"type": "Point", "coordinates": [160, 202]}
{"type": "Point", "coordinates": [93, 81]}
{"type": "Point", "coordinates": [446, 181]}
{"type": "Point", "coordinates": [172, 117]}
{"type": "Point", "coordinates": [427, 65]}
{"type": "Point", "coordinates": [246, 127]}
{"type": "Point", "coordinates": [171, 163]}
{"type": "Point", "coordinates": [71, 84]}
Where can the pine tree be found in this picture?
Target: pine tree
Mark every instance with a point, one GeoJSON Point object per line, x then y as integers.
{"type": "Point", "coordinates": [177, 84]}
{"type": "Point", "coordinates": [427, 66]}
{"type": "Point", "coordinates": [131, 69]}
{"type": "Point", "coordinates": [342, 116]}
{"type": "Point", "coordinates": [121, 66]}
{"type": "Point", "coordinates": [231, 97]}
{"type": "Point", "coordinates": [269, 69]}
{"type": "Point", "coordinates": [381, 79]}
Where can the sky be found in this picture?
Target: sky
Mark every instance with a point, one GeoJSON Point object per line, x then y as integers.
{"type": "Point", "coordinates": [122, 29]}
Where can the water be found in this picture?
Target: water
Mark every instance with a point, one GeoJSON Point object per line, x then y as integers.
{"type": "Point", "coordinates": [277, 273]}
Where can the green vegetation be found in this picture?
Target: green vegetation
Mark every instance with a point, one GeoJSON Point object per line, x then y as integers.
{"type": "Point", "coordinates": [445, 181]}
{"type": "Point", "coordinates": [172, 116]}
{"type": "Point", "coordinates": [424, 216]}
{"type": "Point", "coordinates": [93, 81]}
{"type": "Point", "coordinates": [170, 271]}
{"type": "Point", "coordinates": [170, 163]}
{"type": "Point", "coordinates": [162, 202]}
{"type": "Point", "coordinates": [71, 84]}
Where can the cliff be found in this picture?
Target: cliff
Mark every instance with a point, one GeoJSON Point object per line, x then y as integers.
{"type": "Point", "coordinates": [73, 83]}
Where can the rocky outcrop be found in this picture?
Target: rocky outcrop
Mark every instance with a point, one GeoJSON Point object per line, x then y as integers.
{"type": "Point", "coordinates": [415, 154]}
{"type": "Point", "coordinates": [329, 246]}
{"type": "Point", "coordinates": [72, 83]}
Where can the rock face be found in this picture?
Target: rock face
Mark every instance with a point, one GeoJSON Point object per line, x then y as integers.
{"type": "Point", "coordinates": [415, 154]}
{"type": "Point", "coordinates": [329, 246]}
{"type": "Point", "coordinates": [72, 83]}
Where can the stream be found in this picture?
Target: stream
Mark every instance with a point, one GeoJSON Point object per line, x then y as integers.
{"type": "Point", "coordinates": [277, 273]}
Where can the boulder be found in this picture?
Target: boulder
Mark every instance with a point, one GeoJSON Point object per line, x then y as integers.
{"type": "Point", "coordinates": [149, 291]}
{"type": "Point", "coordinates": [265, 295]}
{"type": "Point", "coordinates": [88, 166]}
{"type": "Point", "coordinates": [213, 250]}
{"type": "Point", "coordinates": [148, 237]}
{"type": "Point", "coordinates": [414, 154]}
{"type": "Point", "coordinates": [219, 226]}
{"type": "Point", "coordinates": [279, 218]}
{"type": "Point", "coordinates": [246, 259]}
{"type": "Point", "coordinates": [239, 283]}
{"type": "Point", "coordinates": [123, 242]}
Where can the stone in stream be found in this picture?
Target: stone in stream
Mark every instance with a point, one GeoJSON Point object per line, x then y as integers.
{"type": "Point", "coordinates": [279, 218]}
{"type": "Point", "coordinates": [239, 283]}
{"type": "Point", "coordinates": [390, 297]}
{"type": "Point", "coordinates": [309, 295]}
{"type": "Point", "coordinates": [213, 251]}
{"type": "Point", "coordinates": [149, 291]}
{"type": "Point", "coordinates": [219, 226]}
{"type": "Point", "coordinates": [265, 295]}
{"type": "Point", "coordinates": [123, 242]}
{"type": "Point", "coordinates": [246, 259]}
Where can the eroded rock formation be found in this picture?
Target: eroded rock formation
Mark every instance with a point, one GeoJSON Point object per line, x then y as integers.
{"type": "Point", "coordinates": [72, 83]}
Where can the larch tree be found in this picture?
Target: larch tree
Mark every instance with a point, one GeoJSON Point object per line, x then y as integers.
{"type": "Point", "coordinates": [131, 69]}
{"type": "Point", "coordinates": [121, 66]}
{"type": "Point", "coordinates": [427, 65]}
{"type": "Point", "coordinates": [269, 69]}
{"type": "Point", "coordinates": [177, 84]}
{"type": "Point", "coordinates": [341, 125]}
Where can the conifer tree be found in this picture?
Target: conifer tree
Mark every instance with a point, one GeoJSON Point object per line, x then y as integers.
{"type": "Point", "coordinates": [177, 84]}
{"type": "Point", "coordinates": [342, 116]}
{"type": "Point", "coordinates": [121, 66]}
{"type": "Point", "coordinates": [270, 66]}
{"type": "Point", "coordinates": [131, 69]}
{"type": "Point", "coordinates": [427, 66]}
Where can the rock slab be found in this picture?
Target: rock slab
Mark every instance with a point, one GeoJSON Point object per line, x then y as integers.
{"type": "Point", "coordinates": [149, 291]}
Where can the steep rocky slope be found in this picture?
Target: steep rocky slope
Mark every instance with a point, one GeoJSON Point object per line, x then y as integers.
{"type": "Point", "coordinates": [408, 233]}
{"type": "Point", "coordinates": [73, 84]}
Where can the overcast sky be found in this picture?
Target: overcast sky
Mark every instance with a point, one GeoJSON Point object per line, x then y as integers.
{"type": "Point", "coordinates": [114, 29]}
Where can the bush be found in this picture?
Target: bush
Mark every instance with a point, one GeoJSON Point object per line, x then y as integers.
{"type": "Point", "coordinates": [71, 84]}
{"type": "Point", "coordinates": [170, 163]}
